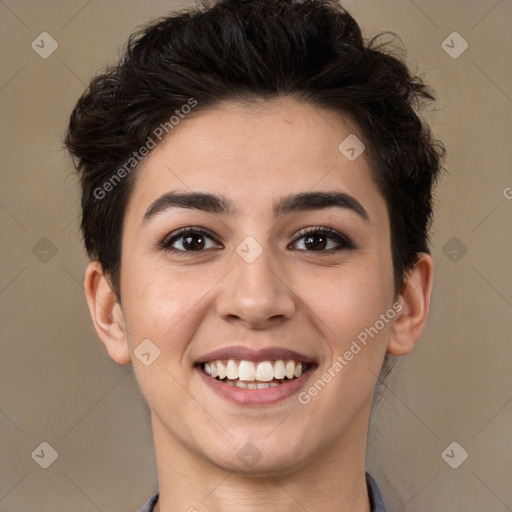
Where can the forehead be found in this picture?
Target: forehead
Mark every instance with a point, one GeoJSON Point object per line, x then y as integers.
{"type": "Point", "coordinates": [253, 153]}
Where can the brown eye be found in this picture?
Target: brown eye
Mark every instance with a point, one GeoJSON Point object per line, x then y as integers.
{"type": "Point", "coordinates": [193, 242]}
{"type": "Point", "coordinates": [315, 242]}
{"type": "Point", "coordinates": [324, 240]}
{"type": "Point", "coordinates": [188, 240]}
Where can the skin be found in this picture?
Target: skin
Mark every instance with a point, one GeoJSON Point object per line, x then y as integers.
{"type": "Point", "coordinates": [311, 301]}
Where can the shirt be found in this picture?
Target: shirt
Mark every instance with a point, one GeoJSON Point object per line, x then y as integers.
{"type": "Point", "coordinates": [376, 500]}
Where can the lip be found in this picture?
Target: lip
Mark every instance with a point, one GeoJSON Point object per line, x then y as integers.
{"type": "Point", "coordinates": [239, 352]}
{"type": "Point", "coordinates": [253, 397]}
{"type": "Point", "coordinates": [242, 396]}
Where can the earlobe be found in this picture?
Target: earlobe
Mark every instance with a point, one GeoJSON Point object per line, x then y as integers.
{"type": "Point", "coordinates": [415, 301]}
{"type": "Point", "coordinates": [106, 313]}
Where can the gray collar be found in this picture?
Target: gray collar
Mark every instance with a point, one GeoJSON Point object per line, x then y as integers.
{"type": "Point", "coordinates": [376, 500]}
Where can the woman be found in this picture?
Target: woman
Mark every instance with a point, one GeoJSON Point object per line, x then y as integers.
{"type": "Point", "coordinates": [256, 198]}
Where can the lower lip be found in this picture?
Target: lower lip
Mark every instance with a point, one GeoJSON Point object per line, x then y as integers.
{"type": "Point", "coordinates": [243, 396]}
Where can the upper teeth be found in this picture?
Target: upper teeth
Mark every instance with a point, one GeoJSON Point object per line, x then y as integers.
{"type": "Point", "coordinates": [263, 371]}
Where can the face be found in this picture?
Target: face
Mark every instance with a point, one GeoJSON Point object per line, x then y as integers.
{"type": "Point", "coordinates": [286, 261]}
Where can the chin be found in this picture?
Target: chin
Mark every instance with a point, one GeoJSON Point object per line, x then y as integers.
{"type": "Point", "coordinates": [259, 456]}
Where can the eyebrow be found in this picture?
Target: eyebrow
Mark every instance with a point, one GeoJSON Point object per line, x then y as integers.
{"type": "Point", "coordinates": [213, 203]}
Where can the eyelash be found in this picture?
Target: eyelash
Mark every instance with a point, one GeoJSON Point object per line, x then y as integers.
{"type": "Point", "coordinates": [344, 243]}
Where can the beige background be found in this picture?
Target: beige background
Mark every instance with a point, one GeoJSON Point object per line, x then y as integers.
{"type": "Point", "coordinates": [59, 386]}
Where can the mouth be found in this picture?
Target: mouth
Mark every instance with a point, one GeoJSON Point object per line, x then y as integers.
{"type": "Point", "coordinates": [255, 377]}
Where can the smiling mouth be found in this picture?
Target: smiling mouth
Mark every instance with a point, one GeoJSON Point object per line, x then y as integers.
{"type": "Point", "coordinates": [255, 375]}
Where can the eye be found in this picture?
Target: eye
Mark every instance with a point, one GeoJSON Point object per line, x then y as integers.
{"type": "Point", "coordinates": [318, 239]}
{"type": "Point", "coordinates": [321, 239]}
{"type": "Point", "coordinates": [188, 240]}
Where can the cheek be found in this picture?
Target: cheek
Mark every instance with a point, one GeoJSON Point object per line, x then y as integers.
{"type": "Point", "coordinates": [164, 303]}
{"type": "Point", "coordinates": [165, 306]}
{"type": "Point", "coordinates": [347, 300]}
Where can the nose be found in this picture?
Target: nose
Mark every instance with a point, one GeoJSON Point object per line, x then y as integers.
{"type": "Point", "coordinates": [255, 295]}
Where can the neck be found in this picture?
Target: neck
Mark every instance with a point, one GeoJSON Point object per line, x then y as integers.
{"type": "Point", "coordinates": [332, 481]}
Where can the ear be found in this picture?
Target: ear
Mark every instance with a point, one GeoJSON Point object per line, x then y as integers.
{"type": "Point", "coordinates": [106, 313]}
{"type": "Point", "coordinates": [415, 301]}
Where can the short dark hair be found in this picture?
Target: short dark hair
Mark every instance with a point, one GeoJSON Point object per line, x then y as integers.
{"type": "Point", "coordinates": [310, 50]}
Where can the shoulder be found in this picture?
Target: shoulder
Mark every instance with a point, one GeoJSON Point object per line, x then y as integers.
{"type": "Point", "coordinates": [150, 503]}
{"type": "Point", "coordinates": [376, 499]}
